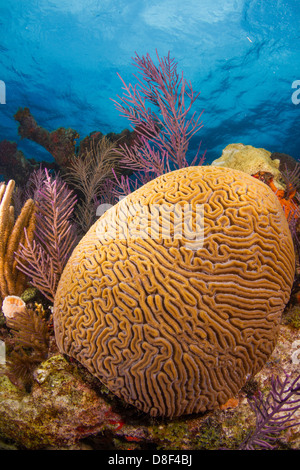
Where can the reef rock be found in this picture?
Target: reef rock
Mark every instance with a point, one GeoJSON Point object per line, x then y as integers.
{"type": "Point", "coordinates": [251, 160]}
{"type": "Point", "coordinates": [61, 408]}
{"type": "Point", "coordinates": [68, 409]}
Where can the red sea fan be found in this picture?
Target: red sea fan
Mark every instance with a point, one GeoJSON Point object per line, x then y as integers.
{"type": "Point", "coordinates": [43, 260]}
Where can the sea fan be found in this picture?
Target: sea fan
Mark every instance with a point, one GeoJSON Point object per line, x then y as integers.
{"type": "Point", "coordinates": [34, 261]}
{"type": "Point", "coordinates": [121, 187]}
{"type": "Point", "coordinates": [159, 109]}
{"type": "Point", "coordinates": [291, 179]}
{"type": "Point", "coordinates": [274, 413]}
{"type": "Point", "coordinates": [55, 231]}
{"type": "Point", "coordinates": [88, 173]}
{"type": "Point", "coordinates": [44, 259]}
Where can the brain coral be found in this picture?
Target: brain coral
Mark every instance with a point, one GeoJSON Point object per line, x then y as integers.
{"type": "Point", "coordinates": [169, 327]}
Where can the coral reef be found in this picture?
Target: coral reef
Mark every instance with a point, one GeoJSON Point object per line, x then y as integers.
{"type": "Point", "coordinates": [251, 160]}
{"type": "Point", "coordinates": [158, 108]}
{"type": "Point", "coordinates": [281, 173]}
{"type": "Point", "coordinates": [13, 164]}
{"type": "Point", "coordinates": [30, 344]}
{"type": "Point", "coordinates": [66, 409]}
{"type": "Point", "coordinates": [171, 325]}
{"type": "Point", "coordinates": [12, 281]}
{"type": "Point", "coordinates": [12, 305]}
{"type": "Point", "coordinates": [61, 409]}
{"type": "Point", "coordinates": [286, 162]}
{"type": "Point", "coordinates": [88, 172]}
{"type": "Point", "coordinates": [274, 413]}
{"type": "Point", "coordinates": [60, 142]}
{"type": "Point", "coordinates": [126, 137]}
{"type": "Point", "coordinates": [285, 196]}
{"type": "Point", "coordinates": [292, 317]}
{"type": "Point", "coordinates": [86, 165]}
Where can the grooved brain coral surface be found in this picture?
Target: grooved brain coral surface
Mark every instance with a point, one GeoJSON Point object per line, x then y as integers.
{"type": "Point", "coordinates": [169, 324]}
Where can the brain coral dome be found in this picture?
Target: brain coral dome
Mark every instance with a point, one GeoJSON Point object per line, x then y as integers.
{"type": "Point", "coordinates": [171, 327]}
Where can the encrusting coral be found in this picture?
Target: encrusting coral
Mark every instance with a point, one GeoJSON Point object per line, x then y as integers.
{"type": "Point", "coordinates": [251, 160]}
{"type": "Point", "coordinates": [12, 281]}
{"type": "Point", "coordinates": [282, 178]}
{"type": "Point", "coordinates": [171, 327]}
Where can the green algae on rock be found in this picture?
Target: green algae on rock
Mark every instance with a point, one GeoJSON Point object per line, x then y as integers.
{"type": "Point", "coordinates": [67, 409]}
{"type": "Point", "coordinates": [60, 410]}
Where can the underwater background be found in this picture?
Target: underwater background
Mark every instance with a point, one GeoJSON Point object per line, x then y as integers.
{"type": "Point", "coordinates": [61, 58]}
{"type": "Point", "coordinates": [149, 345]}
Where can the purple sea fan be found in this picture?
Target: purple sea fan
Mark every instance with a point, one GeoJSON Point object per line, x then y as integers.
{"type": "Point", "coordinates": [274, 413]}
{"type": "Point", "coordinates": [44, 259]}
{"type": "Point", "coordinates": [292, 180]}
{"type": "Point", "coordinates": [159, 108]}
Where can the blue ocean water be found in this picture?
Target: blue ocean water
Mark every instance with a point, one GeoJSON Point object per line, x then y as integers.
{"type": "Point", "coordinates": [60, 58]}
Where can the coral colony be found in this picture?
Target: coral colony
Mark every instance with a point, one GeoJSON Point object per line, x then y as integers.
{"type": "Point", "coordinates": [158, 108]}
{"type": "Point", "coordinates": [182, 318]}
{"type": "Point", "coordinates": [43, 259]}
{"type": "Point", "coordinates": [274, 413]}
{"type": "Point", "coordinates": [142, 313]}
